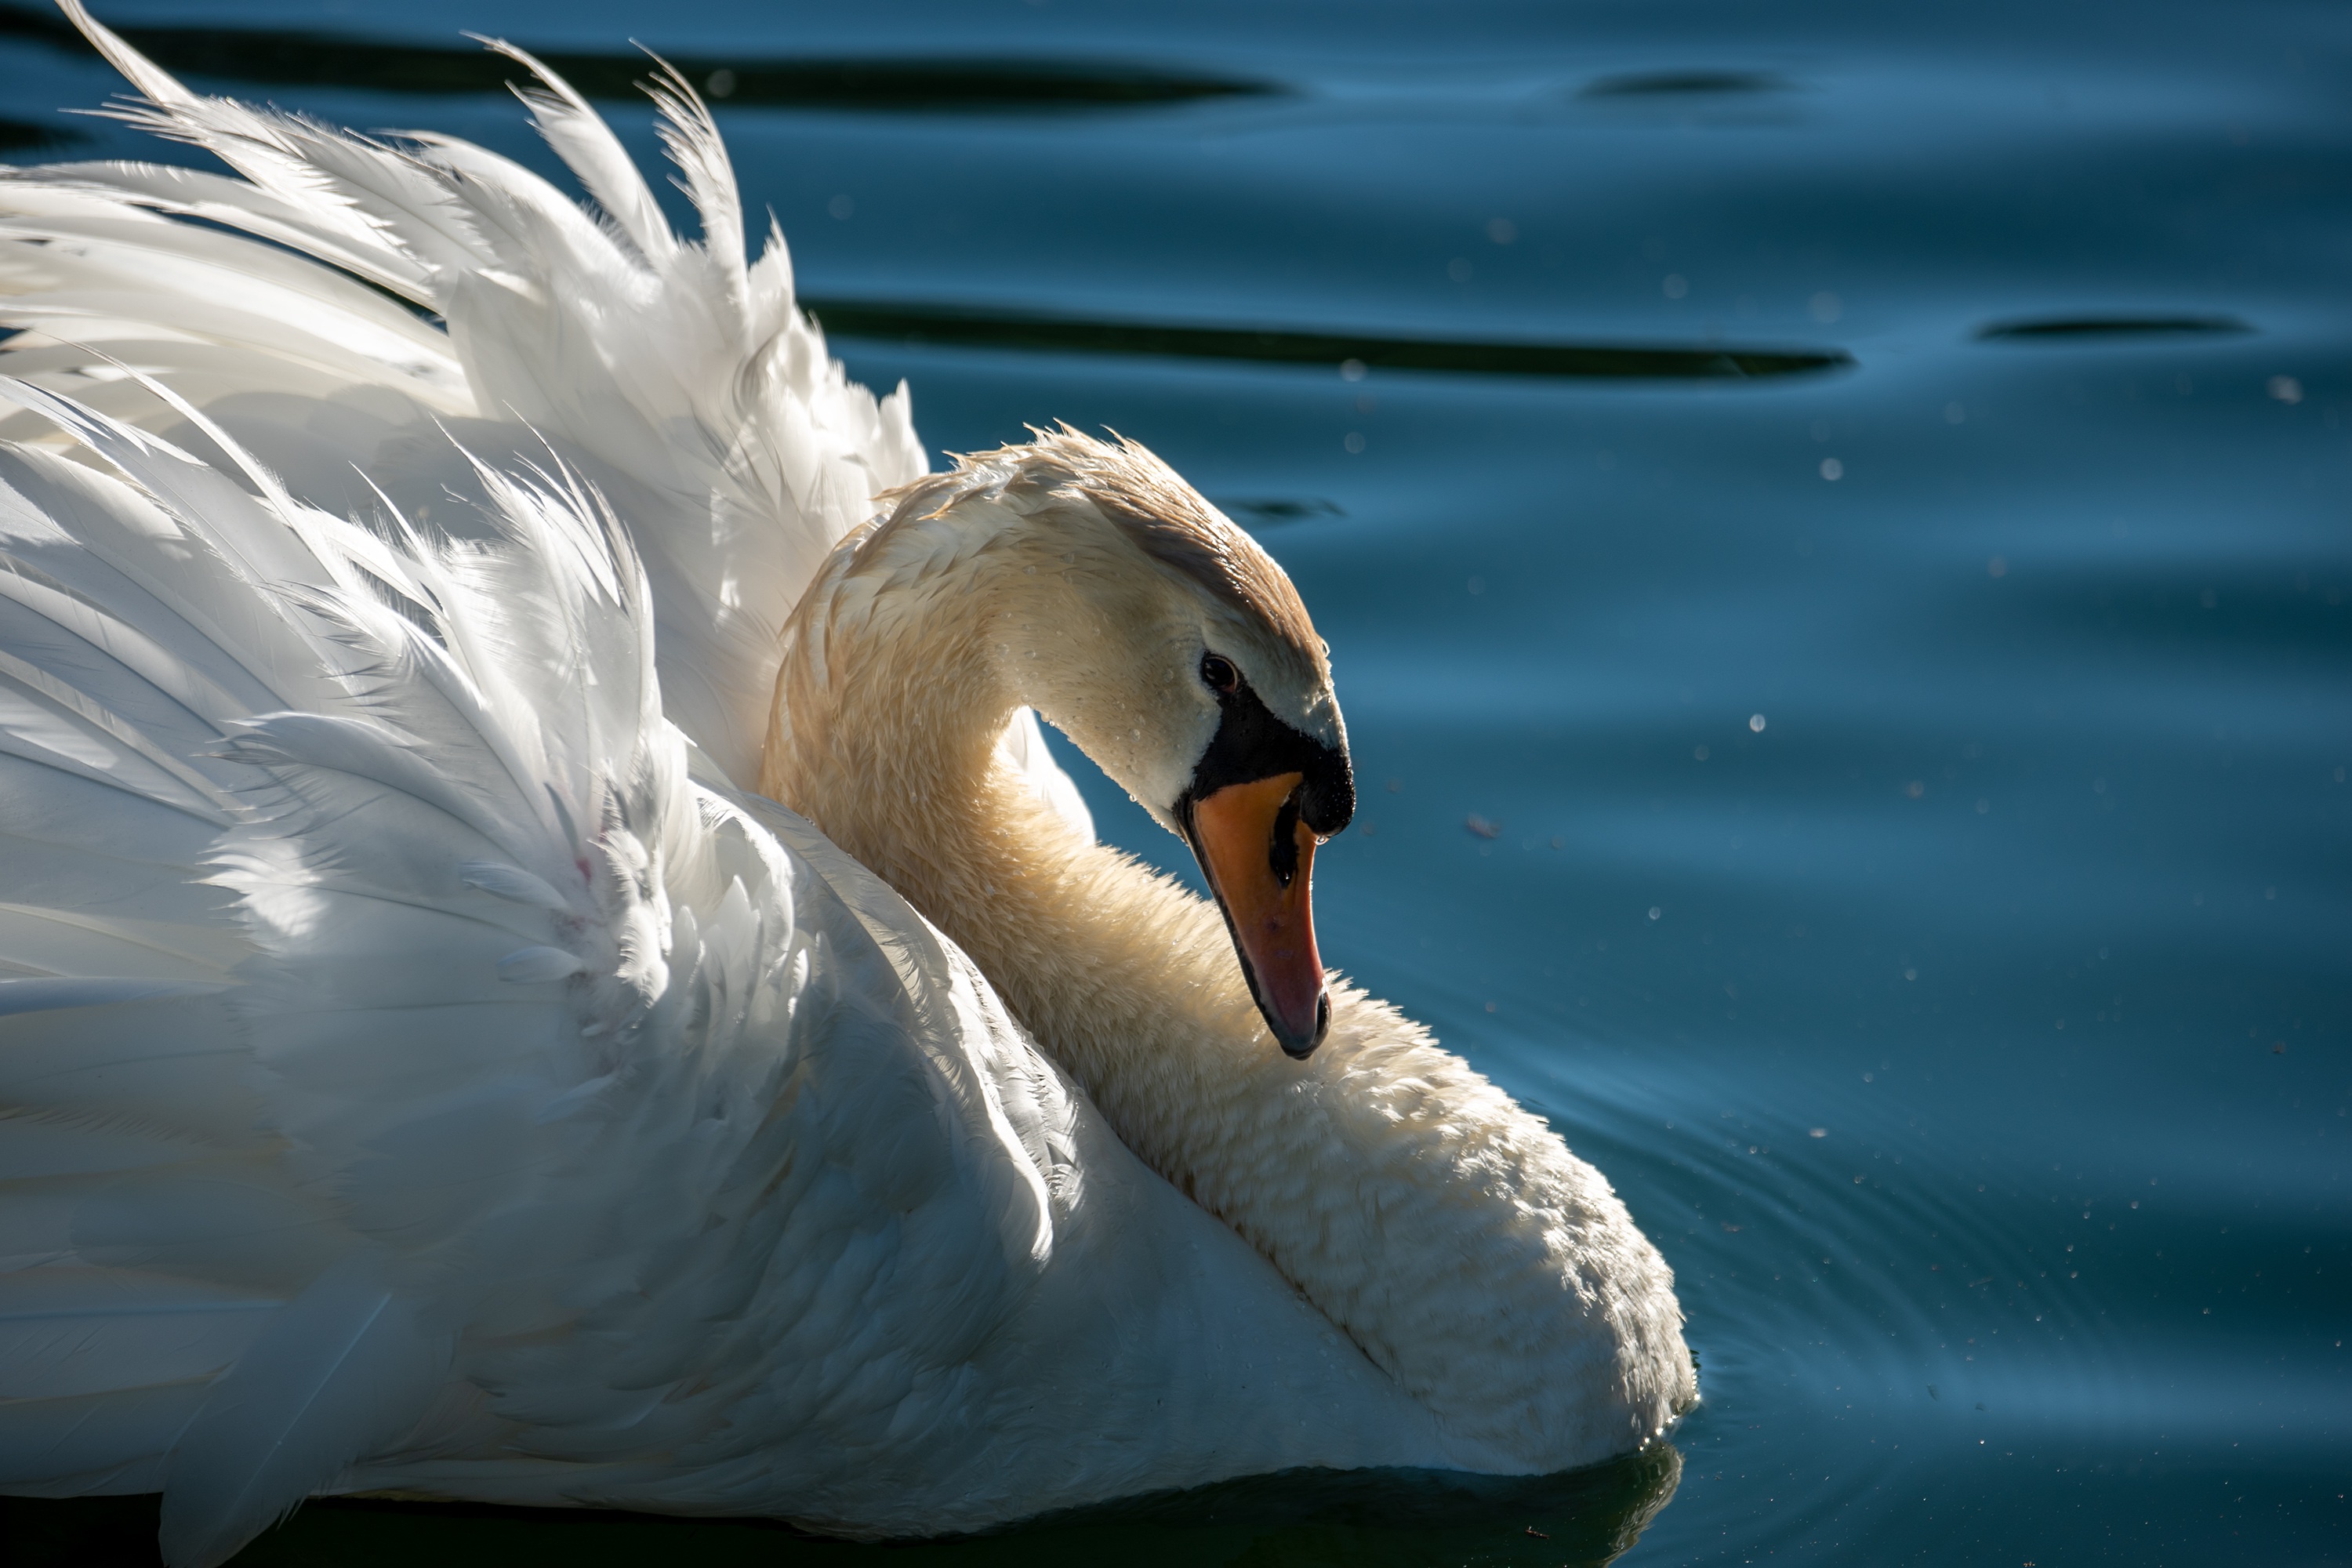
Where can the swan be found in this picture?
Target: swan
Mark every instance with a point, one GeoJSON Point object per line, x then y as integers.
{"type": "Point", "coordinates": [544, 961]}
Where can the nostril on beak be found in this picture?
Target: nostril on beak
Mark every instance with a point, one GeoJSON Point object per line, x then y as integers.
{"type": "Point", "coordinates": [1282, 851]}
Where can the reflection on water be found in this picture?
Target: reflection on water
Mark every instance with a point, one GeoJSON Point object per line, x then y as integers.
{"type": "Point", "coordinates": [281, 58]}
{"type": "Point", "coordinates": [2113, 327]}
{"type": "Point", "coordinates": [1913, 820]}
{"type": "Point", "coordinates": [1354, 353]}
{"type": "Point", "coordinates": [1677, 83]}
{"type": "Point", "coordinates": [18, 137]}
{"type": "Point", "coordinates": [1370, 1519]}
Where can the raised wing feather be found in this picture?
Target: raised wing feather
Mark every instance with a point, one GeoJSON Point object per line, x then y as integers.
{"type": "Point", "coordinates": [410, 1066]}
{"type": "Point", "coordinates": [689, 387]}
{"type": "Point", "coordinates": [688, 374]}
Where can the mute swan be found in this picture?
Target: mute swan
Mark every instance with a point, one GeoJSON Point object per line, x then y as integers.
{"type": "Point", "coordinates": [428, 1066]}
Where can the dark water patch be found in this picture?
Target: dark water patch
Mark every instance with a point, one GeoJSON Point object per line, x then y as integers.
{"type": "Point", "coordinates": [2075, 326]}
{"type": "Point", "coordinates": [1684, 84]}
{"type": "Point", "coordinates": [17, 135]}
{"type": "Point", "coordinates": [954, 86]}
{"type": "Point", "coordinates": [293, 58]}
{"type": "Point", "coordinates": [2292, 612]}
{"type": "Point", "coordinates": [1265, 511]}
{"type": "Point", "coordinates": [1401, 1517]}
{"type": "Point", "coordinates": [922, 325]}
{"type": "Point", "coordinates": [1365, 1517]}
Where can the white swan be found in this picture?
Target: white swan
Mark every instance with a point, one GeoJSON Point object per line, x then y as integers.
{"type": "Point", "coordinates": [425, 1067]}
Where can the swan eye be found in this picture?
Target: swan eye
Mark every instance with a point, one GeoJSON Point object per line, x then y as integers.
{"type": "Point", "coordinates": [1218, 674]}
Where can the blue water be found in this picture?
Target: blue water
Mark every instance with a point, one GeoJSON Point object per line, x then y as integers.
{"type": "Point", "coordinates": [1891, 817]}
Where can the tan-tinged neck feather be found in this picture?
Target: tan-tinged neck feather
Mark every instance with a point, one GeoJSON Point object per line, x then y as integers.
{"type": "Point", "coordinates": [1447, 1232]}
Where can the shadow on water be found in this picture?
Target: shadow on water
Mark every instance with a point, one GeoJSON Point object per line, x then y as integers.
{"type": "Point", "coordinates": [1265, 511]}
{"type": "Point", "coordinates": [2070, 328]}
{"type": "Point", "coordinates": [1684, 84]}
{"type": "Point", "coordinates": [1377, 1517]}
{"type": "Point", "coordinates": [291, 57]}
{"type": "Point", "coordinates": [919, 325]}
{"type": "Point", "coordinates": [18, 136]}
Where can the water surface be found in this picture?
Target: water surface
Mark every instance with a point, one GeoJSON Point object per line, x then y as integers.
{"type": "Point", "coordinates": [1833, 525]}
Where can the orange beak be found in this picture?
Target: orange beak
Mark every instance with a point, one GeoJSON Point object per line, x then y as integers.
{"type": "Point", "coordinates": [1259, 855]}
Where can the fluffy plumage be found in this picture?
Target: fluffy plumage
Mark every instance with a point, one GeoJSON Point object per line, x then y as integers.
{"type": "Point", "coordinates": [426, 1071]}
{"type": "Point", "coordinates": [1460, 1245]}
{"type": "Point", "coordinates": [423, 1066]}
{"type": "Point", "coordinates": [683, 384]}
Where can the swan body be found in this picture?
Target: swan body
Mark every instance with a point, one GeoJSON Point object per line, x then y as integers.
{"type": "Point", "coordinates": [431, 1060]}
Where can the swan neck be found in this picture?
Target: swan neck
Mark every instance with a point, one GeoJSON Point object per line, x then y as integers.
{"type": "Point", "coordinates": [1373, 1175]}
{"type": "Point", "coordinates": [902, 667]}
{"type": "Point", "coordinates": [884, 726]}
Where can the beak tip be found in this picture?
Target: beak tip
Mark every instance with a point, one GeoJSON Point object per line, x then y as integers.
{"type": "Point", "coordinates": [1299, 1044]}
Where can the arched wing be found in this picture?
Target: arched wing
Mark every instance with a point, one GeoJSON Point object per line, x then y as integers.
{"type": "Point", "coordinates": [688, 383]}
{"type": "Point", "coordinates": [406, 1061]}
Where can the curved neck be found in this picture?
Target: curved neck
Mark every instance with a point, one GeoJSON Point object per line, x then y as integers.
{"type": "Point", "coordinates": [890, 704]}
{"type": "Point", "coordinates": [1448, 1233]}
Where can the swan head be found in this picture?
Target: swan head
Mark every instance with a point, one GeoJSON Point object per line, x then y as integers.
{"type": "Point", "coordinates": [1140, 621]}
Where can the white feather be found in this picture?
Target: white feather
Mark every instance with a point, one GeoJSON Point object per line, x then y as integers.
{"type": "Point", "coordinates": [68, 1332]}
{"type": "Point", "coordinates": [512, 883]}
{"type": "Point", "coordinates": [342, 1370]}
{"type": "Point", "coordinates": [77, 1444]}
{"type": "Point", "coordinates": [590, 150]}
{"type": "Point", "coordinates": [539, 965]}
